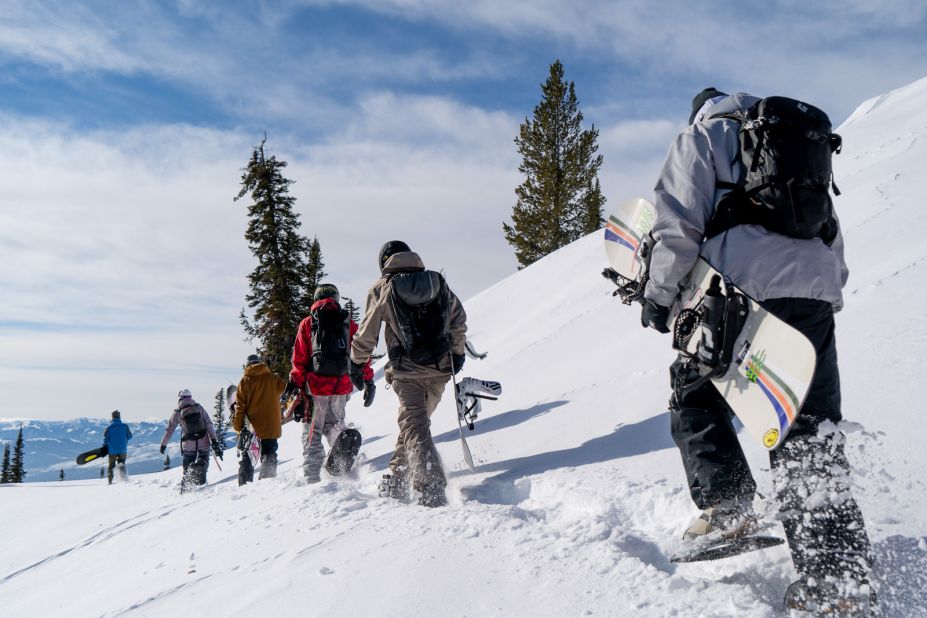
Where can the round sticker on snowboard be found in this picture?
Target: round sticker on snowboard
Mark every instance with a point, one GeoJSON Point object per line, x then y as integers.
{"type": "Point", "coordinates": [770, 437]}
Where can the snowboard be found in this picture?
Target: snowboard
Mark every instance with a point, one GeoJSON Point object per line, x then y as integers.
{"type": "Point", "coordinates": [93, 455]}
{"type": "Point", "coordinates": [726, 548]}
{"type": "Point", "coordinates": [763, 370]}
{"type": "Point", "coordinates": [343, 454]}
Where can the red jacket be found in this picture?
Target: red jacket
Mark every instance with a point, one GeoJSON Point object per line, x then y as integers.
{"type": "Point", "coordinates": [302, 360]}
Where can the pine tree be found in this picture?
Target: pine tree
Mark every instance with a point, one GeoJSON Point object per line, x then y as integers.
{"type": "Point", "coordinates": [167, 464]}
{"type": "Point", "coordinates": [561, 199]}
{"type": "Point", "coordinates": [5, 470]}
{"type": "Point", "coordinates": [351, 308]}
{"type": "Point", "coordinates": [61, 475]}
{"type": "Point", "coordinates": [18, 469]}
{"type": "Point", "coordinates": [314, 274]}
{"type": "Point", "coordinates": [218, 419]}
{"type": "Point", "coordinates": [278, 282]}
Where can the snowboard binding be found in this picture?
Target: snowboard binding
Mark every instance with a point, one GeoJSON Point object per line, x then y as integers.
{"type": "Point", "coordinates": [718, 318]}
{"type": "Point", "coordinates": [632, 290]}
{"type": "Point", "coordinates": [469, 393]}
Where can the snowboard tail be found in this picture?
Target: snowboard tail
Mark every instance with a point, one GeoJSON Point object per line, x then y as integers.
{"type": "Point", "coordinates": [89, 456]}
{"type": "Point", "coordinates": [343, 454]}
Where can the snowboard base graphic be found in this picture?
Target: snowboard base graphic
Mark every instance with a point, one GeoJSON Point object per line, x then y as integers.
{"type": "Point", "coordinates": [761, 366]}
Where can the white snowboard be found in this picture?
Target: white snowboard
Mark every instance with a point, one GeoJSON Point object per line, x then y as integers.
{"type": "Point", "coordinates": [772, 364]}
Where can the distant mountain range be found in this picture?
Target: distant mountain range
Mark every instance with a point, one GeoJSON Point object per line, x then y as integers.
{"type": "Point", "coordinates": [50, 446]}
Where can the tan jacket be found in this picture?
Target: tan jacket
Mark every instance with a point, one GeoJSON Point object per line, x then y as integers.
{"type": "Point", "coordinates": [258, 399]}
{"type": "Point", "coordinates": [380, 311]}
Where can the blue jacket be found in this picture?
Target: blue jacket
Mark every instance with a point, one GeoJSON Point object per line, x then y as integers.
{"type": "Point", "coordinates": [116, 437]}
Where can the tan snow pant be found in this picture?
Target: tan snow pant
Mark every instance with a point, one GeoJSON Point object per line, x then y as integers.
{"type": "Point", "coordinates": [415, 453]}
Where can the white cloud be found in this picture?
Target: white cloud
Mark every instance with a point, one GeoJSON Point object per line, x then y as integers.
{"type": "Point", "coordinates": [122, 252]}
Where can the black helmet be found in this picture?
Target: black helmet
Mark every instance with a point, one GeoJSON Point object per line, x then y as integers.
{"type": "Point", "coordinates": [390, 248]}
{"type": "Point", "coordinates": [326, 290]}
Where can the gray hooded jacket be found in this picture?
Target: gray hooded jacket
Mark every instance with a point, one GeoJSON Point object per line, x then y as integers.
{"type": "Point", "coordinates": [761, 263]}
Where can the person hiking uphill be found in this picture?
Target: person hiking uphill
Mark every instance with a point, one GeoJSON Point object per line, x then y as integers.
{"type": "Point", "coordinates": [788, 255]}
{"type": "Point", "coordinates": [425, 335]}
{"type": "Point", "coordinates": [116, 440]}
{"type": "Point", "coordinates": [258, 400]}
{"type": "Point", "coordinates": [320, 371]}
{"type": "Point", "coordinates": [197, 435]}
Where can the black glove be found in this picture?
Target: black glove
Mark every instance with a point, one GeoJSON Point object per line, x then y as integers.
{"type": "Point", "coordinates": [217, 448]}
{"type": "Point", "coordinates": [370, 390]}
{"type": "Point", "coordinates": [457, 361]}
{"type": "Point", "coordinates": [357, 376]}
{"type": "Point", "coordinates": [299, 411]}
{"type": "Point", "coordinates": [290, 389]}
{"type": "Point", "coordinates": [163, 448]}
{"type": "Point", "coordinates": [655, 316]}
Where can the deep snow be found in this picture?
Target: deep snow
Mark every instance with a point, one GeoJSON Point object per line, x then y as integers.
{"type": "Point", "coordinates": [579, 496]}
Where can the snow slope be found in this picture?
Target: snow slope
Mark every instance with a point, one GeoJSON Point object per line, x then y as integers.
{"type": "Point", "coordinates": [579, 496]}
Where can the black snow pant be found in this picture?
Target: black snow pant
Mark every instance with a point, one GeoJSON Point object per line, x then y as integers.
{"type": "Point", "coordinates": [823, 525]}
{"type": "Point", "coordinates": [113, 460]}
{"type": "Point", "coordinates": [199, 460]}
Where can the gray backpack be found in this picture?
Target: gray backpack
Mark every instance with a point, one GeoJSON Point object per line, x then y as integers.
{"type": "Point", "coordinates": [191, 423]}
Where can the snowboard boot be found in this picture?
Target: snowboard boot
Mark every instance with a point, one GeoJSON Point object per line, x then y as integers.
{"type": "Point", "coordinates": [433, 495]}
{"type": "Point", "coordinates": [344, 452]}
{"type": "Point", "coordinates": [729, 520]}
{"type": "Point", "coordinates": [824, 598]}
{"type": "Point", "coordinates": [121, 473]}
{"type": "Point", "coordinates": [268, 466]}
{"type": "Point", "coordinates": [198, 472]}
{"type": "Point", "coordinates": [394, 486]}
{"type": "Point", "coordinates": [245, 470]}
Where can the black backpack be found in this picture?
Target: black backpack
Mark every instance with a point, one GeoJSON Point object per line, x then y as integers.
{"type": "Point", "coordinates": [420, 301]}
{"type": "Point", "coordinates": [785, 151]}
{"type": "Point", "coordinates": [191, 423]}
{"type": "Point", "coordinates": [331, 341]}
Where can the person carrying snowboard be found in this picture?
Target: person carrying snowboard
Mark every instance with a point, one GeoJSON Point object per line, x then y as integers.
{"type": "Point", "coordinates": [426, 330]}
{"type": "Point", "coordinates": [116, 440]}
{"type": "Point", "coordinates": [258, 400]}
{"type": "Point", "coordinates": [320, 371]}
{"type": "Point", "coordinates": [197, 435]}
{"type": "Point", "coordinates": [785, 250]}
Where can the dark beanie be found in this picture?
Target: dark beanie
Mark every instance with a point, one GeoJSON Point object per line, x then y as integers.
{"type": "Point", "coordinates": [116, 414]}
{"type": "Point", "coordinates": [700, 99]}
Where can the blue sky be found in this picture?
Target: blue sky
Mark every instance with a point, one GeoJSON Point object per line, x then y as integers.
{"type": "Point", "coordinates": [124, 125]}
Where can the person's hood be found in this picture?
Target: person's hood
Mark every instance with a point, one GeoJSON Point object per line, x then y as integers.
{"type": "Point", "coordinates": [404, 261]}
{"type": "Point", "coordinates": [184, 402]}
{"type": "Point", "coordinates": [714, 108]}
{"type": "Point", "coordinates": [324, 302]}
{"type": "Point", "coordinates": [256, 369]}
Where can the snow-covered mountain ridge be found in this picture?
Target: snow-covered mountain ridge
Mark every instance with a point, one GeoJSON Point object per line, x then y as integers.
{"type": "Point", "coordinates": [579, 496]}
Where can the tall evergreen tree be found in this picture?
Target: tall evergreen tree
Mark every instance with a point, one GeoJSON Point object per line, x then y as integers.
{"type": "Point", "coordinates": [314, 274]}
{"type": "Point", "coordinates": [278, 282]}
{"type": "Point", "coordinates": [218, 419]}
{"type": "Point", "coordinates": [560, 199]}
{"type": "Point", "coordinates": [17, 468]}
{"type": "Point", "coordinates": [61, 475]}
{"type": "Point", "coordinates": [5, 470]}
{"type": "Point", "coordinates": [351, 308]}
